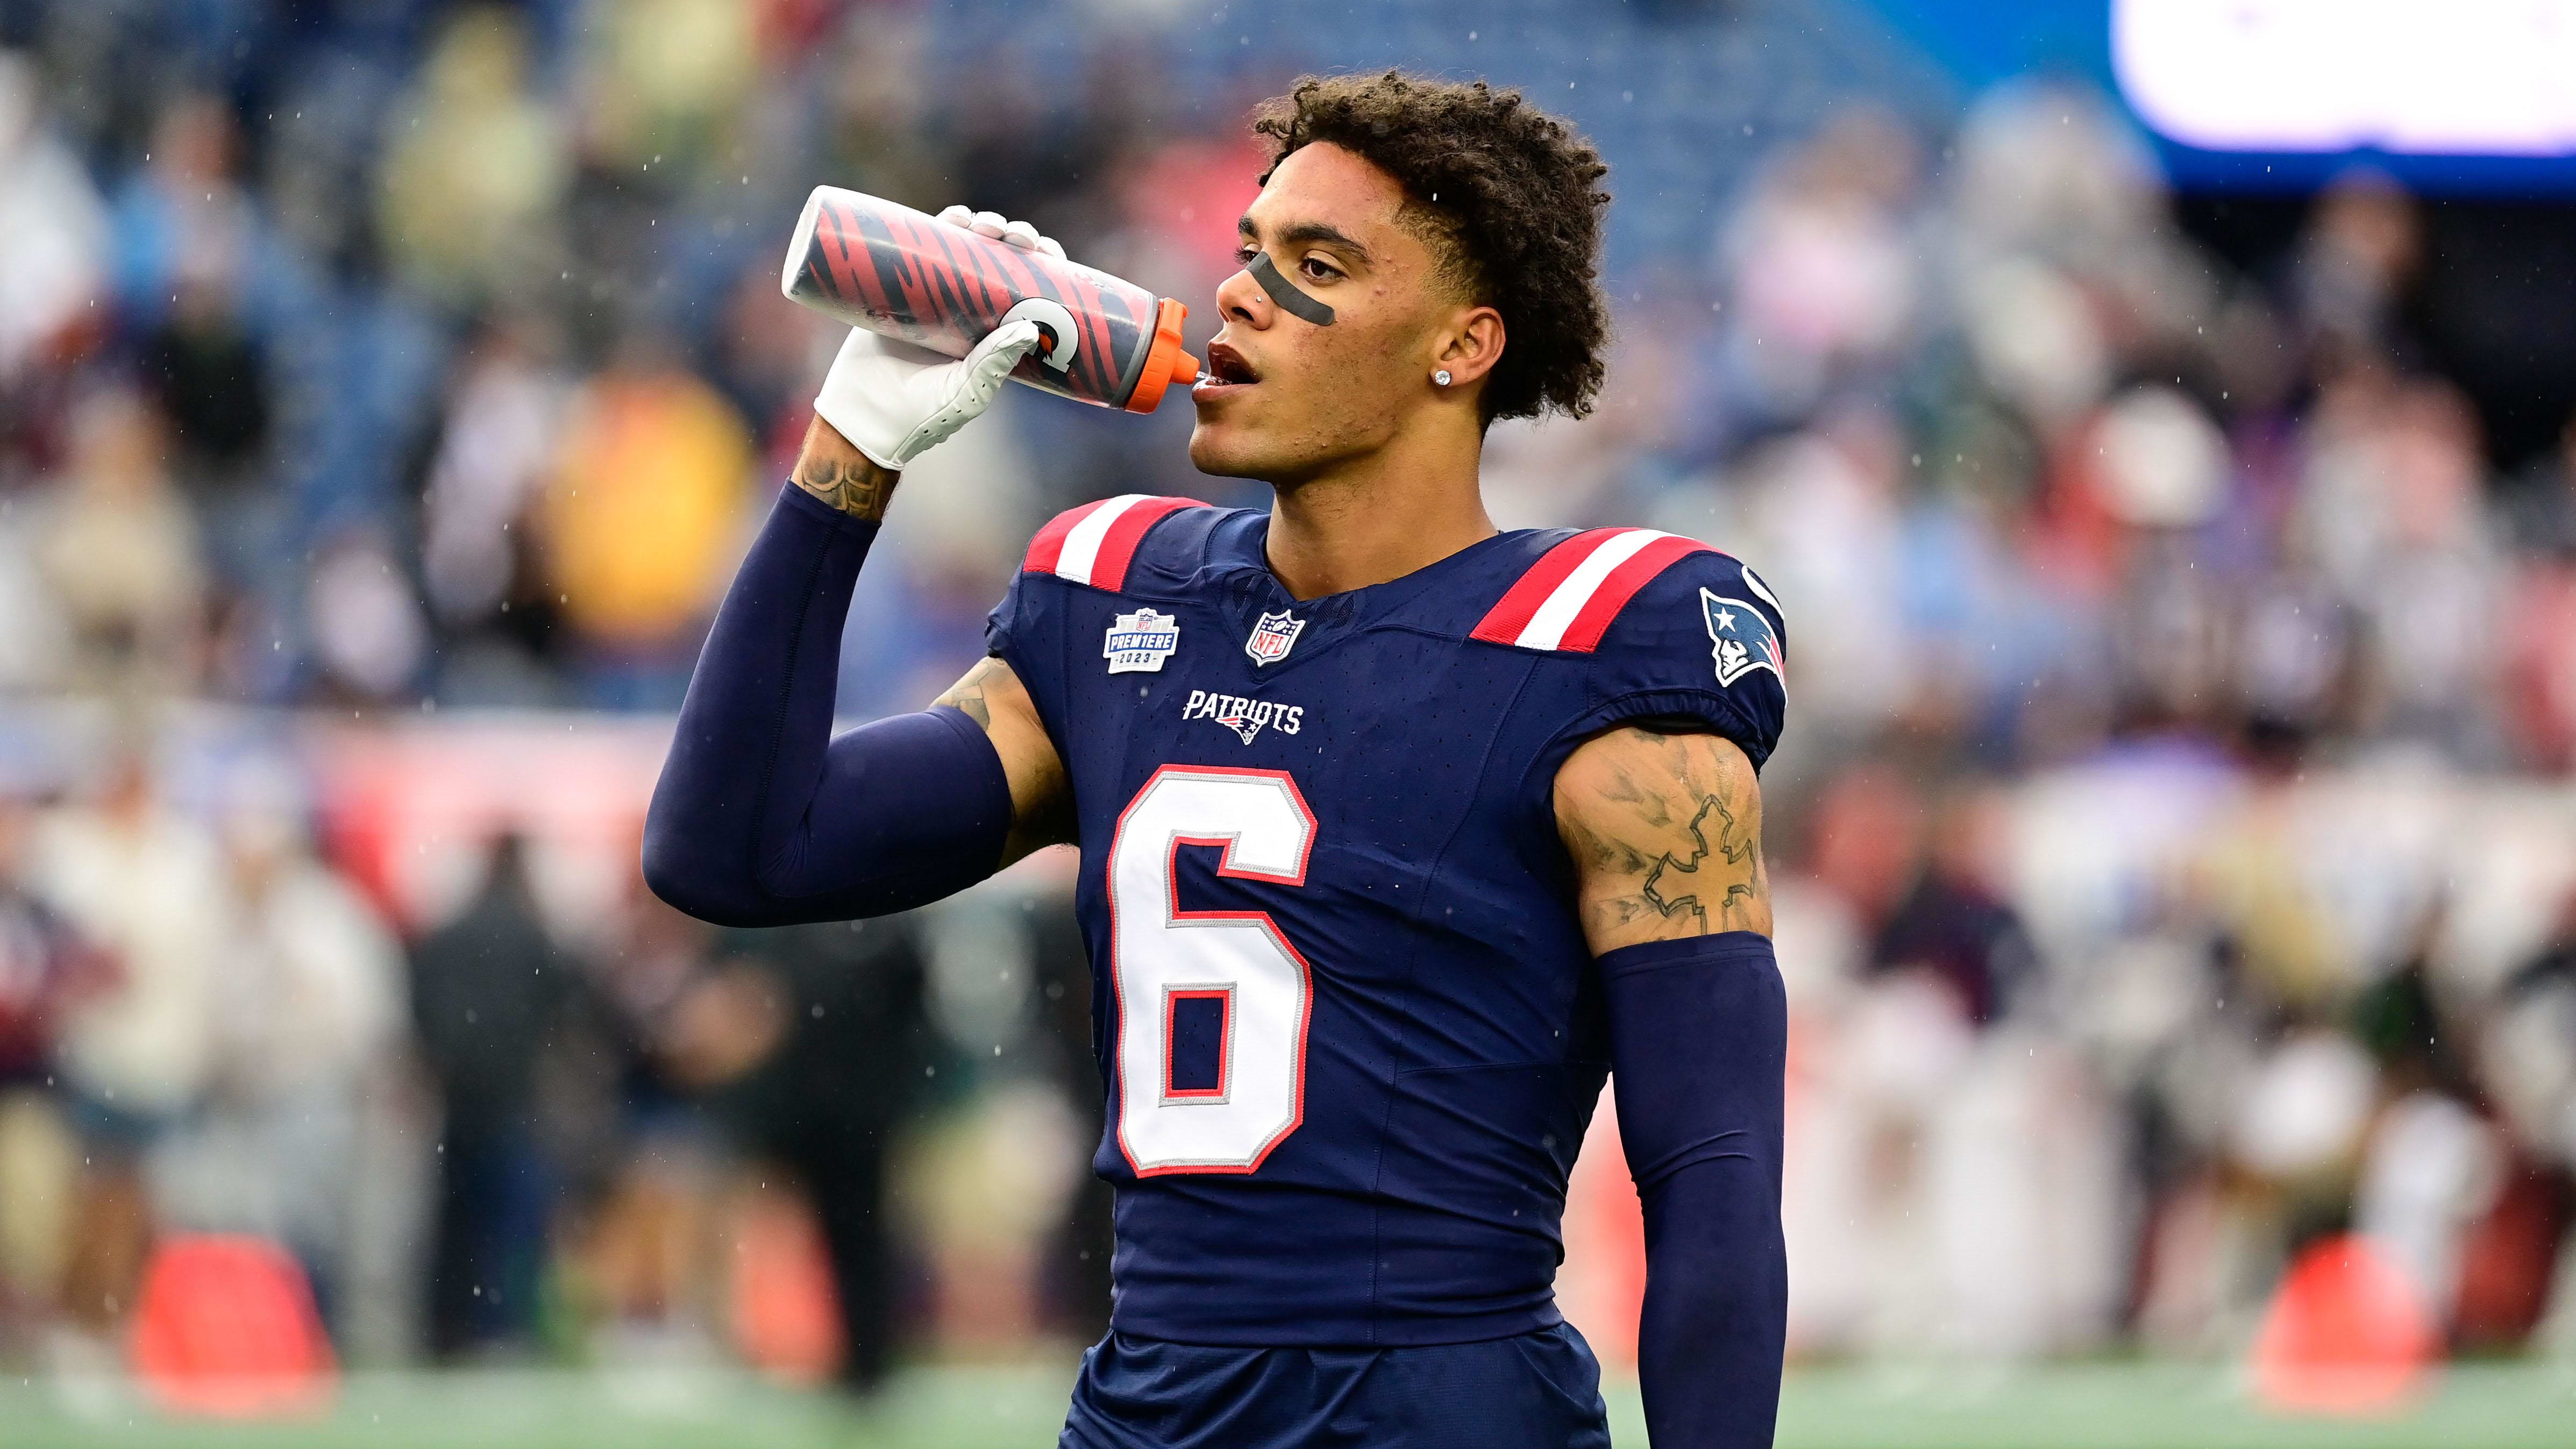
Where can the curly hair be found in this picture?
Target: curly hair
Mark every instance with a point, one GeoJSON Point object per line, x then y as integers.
{"type": "Point", "coordinates": [1502, 192]}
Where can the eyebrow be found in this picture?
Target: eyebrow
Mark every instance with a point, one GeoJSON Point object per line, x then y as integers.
{"type": "Point", "coordinates": [1309, 231]}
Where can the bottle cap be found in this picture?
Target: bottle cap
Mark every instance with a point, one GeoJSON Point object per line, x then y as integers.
{"type": "Point", "coordinates": [1166, 363]}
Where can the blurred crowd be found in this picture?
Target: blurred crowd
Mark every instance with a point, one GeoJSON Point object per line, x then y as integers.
{"type": "Point", "coordinates": [2176, 862]}
{"type": "Point", "coordinates": [530, 1125]}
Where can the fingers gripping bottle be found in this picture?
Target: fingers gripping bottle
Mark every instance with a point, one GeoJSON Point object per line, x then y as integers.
{"type": "Point", "coordinates": [892, 270]}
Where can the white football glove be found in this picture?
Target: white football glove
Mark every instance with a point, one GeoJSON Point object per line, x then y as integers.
{"type": "Point", "coordinates": [894, 400]}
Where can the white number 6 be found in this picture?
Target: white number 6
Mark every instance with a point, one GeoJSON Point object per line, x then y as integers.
{"type": "Point", "coordinates": [1160, 954]}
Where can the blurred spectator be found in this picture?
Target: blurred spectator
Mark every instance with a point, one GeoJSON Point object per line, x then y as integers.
{"type": "Point", "coordinates": [234, 339]}
{"type": "Point", "coordinates": [2391, 511]}
{"type": "Point", "coordinates": [488, 991]}
{"type": "Point", "coordinates": [2537, 614]}
{"type": "Point", "coordinates": [1819, 512]}
{"type": "Point", "coordinates": [189, 239]}
{"type": "Point", "coordinates": [2294, 662]}
{"type": "Point", "coordinates": [2538, 667]}
{"type": "Point", "coordinates": [2527, 1051]}
{"type": "Point", "coordinates": [2432, 1169]}
{"type": "Point", "coordinates": [310, 1000]}
{"type": "Point", "coordinates": [41, 964]}
{"type": "Point", "coordinates": [368, 633]}
{"type": "Point", "coordinates": [1953, 1185]}
{"type": "Point", "coordinates": [52, 262]}
{"type": "Point", "coordinates": [479, 557]}
{"type": "Point", "coordinates": [1952, 925]}
{"type": "Point", "coordinates": [135, 1047]}
{"type": "Point", "coordinates": [39, 956]}
{"type": "Point", "coordinates": [1824, 274]}
{"type": "Point", "coordinates": [664, 78]}
{"type": "Point", "coordinates": [2516, 1263]}
{"type": "Point", "coordinates": [2154, 475]}
{"type": "Point", "coordinates": [2063, 258]}
{"type": "Point", "coordinates": [472, 184]}
{"type": "Point", "coordinates": [120, 552]}
{"type": "Point", "coordinates": [1075, 1280]}
{"type": "Point", "coordinates": [35, 637]}
{"type": "Point", "coordinates": [2355, 267]}
{"type": "Point", "coordinates": [642, 519]}
{"type": "Point", "coordinates": [811, 1041]}
{"type": "Point", "coordinates": [665, 1026]}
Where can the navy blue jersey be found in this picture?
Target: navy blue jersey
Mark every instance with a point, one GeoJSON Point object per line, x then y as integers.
{"type": "Point", "coordinates": [1344, 1009]}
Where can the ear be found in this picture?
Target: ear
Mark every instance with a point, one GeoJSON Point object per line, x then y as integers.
{"type": "Point", "coordinates": [1470, 345]}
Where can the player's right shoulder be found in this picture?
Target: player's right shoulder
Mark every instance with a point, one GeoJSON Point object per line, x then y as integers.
{"type": "Point", "coordinates": [1134, 546]}
{"type": "Point", "coordinates": [1116, 542]}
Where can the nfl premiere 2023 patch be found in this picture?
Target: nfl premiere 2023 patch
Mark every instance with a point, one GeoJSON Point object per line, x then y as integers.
{"type": "Point", "coordinates": [1140, 642]}
{"type": "Point", "coordinates": [1272, 637]}
{"type": "Point", "coordinates": [1742, 639]}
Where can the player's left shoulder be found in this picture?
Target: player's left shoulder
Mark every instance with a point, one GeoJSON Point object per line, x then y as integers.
{"type": "Point", "coordinates": [1662, 626]}
{"type": "Point", "coordinates": [1708, 608]}
{"type": "Point", "coordinates": [1631, 591]}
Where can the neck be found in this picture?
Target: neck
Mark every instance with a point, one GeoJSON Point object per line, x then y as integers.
{"type": "Point", "coordinates": [1383, 514]}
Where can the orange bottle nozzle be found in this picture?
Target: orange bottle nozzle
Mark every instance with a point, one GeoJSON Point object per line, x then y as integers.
{"type": "Point", "coordinates": [1166, 363]}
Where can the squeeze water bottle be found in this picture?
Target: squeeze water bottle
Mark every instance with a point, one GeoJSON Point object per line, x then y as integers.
{"type": "Point", "coordinates": [888, 268]}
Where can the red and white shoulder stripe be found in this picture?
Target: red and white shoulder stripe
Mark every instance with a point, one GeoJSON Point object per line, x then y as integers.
{"type": "Point", "coordinates": [1567, 599]}
{"type": "Point", "coordinates": [1095, 543]}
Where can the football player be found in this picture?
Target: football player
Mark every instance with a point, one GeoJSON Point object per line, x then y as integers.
{"type": "Point", "coordinates": [1398, 832]}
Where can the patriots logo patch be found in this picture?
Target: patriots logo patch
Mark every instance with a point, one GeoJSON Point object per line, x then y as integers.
{"type": "Point", "coordinates": [1742, 639]}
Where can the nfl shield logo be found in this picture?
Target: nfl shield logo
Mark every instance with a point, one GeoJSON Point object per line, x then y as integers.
{"type": "Point", "coordinates": [1273, 637]}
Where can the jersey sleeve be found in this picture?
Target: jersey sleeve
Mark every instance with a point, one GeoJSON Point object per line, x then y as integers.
{"type": "Point", "coordinates": [1082, 553]}
{"type": "Point", "coordinates": [1017, 621]}
{"type": "Point", "coordinates": [1703, 642]}
{"type": "Point", "coordinates": [1026, 631]}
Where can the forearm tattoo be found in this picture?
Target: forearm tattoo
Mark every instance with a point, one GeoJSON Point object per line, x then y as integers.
{"type": "Point", "coordinates": [851, 483]}
{"type": "Point", "coordinates": [1666, 835]}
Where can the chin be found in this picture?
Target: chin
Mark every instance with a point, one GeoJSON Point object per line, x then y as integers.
{"type": "Point", "coordinates": [1224, 452]}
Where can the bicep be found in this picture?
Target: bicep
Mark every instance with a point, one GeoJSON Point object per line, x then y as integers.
{"type": "Point", "coordinates": [1041, 795]}
{"type": "Point", "coordinates": [1665, 835]}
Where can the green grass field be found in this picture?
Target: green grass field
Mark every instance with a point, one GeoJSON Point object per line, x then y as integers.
{"type": "Point", "coordinates": [2092, 1406]}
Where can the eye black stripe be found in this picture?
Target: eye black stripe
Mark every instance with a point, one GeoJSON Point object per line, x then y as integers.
{"type": "Point", "coordinates": [1285, 292]}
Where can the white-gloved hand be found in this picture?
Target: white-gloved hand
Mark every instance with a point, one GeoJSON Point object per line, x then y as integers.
{"type": "Point", "coordinates": [894, 400]}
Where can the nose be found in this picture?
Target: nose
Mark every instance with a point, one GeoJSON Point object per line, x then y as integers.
{"type": "Point", "coordinates": [1240, 296]}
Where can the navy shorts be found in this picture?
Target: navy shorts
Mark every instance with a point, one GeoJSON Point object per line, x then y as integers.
{"type": "Point", "coordinates": [1537, 1391]}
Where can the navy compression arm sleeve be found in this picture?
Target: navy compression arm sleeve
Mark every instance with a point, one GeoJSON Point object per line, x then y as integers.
{"type": "Point", "coordinates": [1698, 1043]}
{"type": "Point", "coordinates": [761, 818]}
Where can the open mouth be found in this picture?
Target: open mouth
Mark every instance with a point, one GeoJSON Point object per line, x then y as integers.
{"type": "Point", "coordinates": [1226, 368]}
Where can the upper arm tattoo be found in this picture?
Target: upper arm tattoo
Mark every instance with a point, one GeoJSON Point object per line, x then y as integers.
{"type": "Point", "coordinates": [968, 693]}
{"type": "Point", "coordinates": [1665, 831]}
{"type": "Point", "coordinates": [1041, 793]}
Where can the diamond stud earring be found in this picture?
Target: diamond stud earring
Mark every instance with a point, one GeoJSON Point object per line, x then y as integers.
{"type": "Point", "coordinates": [1441, 377]}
